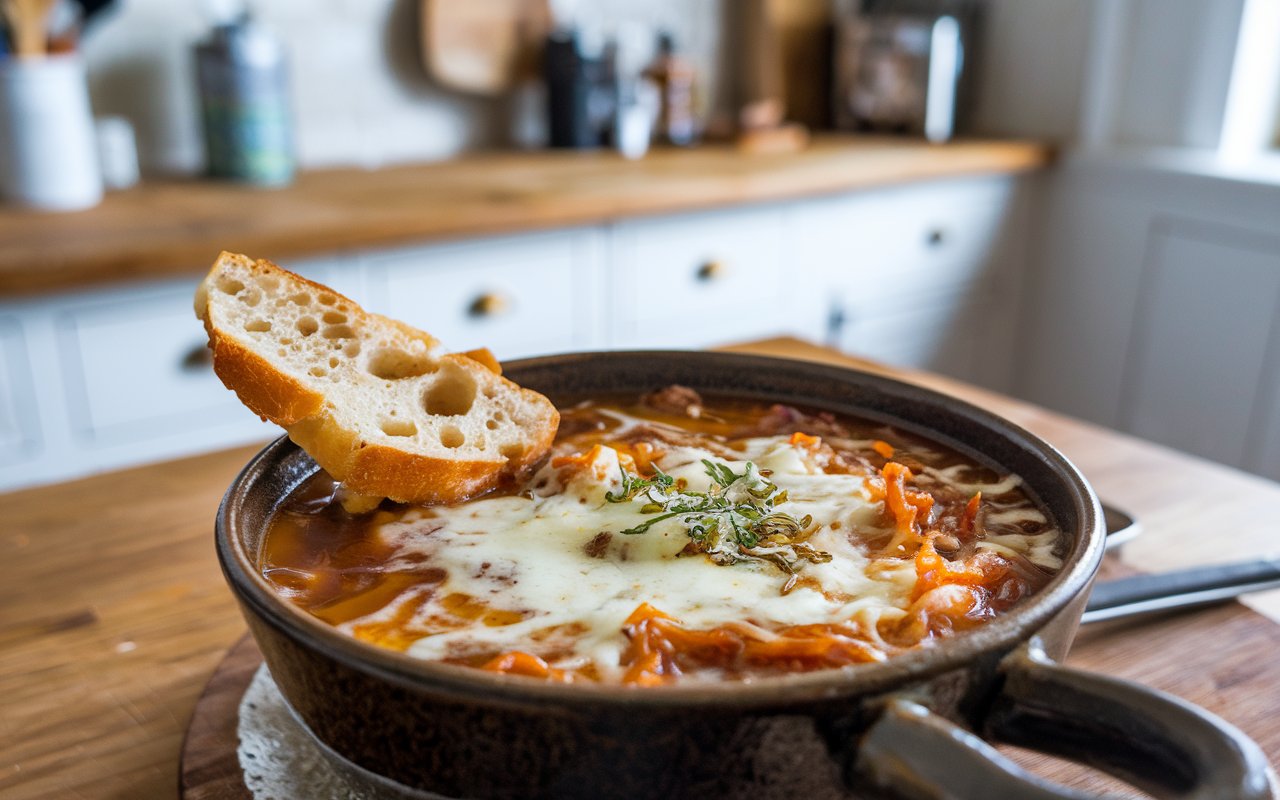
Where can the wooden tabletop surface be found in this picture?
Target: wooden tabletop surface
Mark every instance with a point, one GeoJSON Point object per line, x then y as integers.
{"type": "Point", "coordinates": [113, 612]}
{"type": "Point", "coordinates": [170, 228]}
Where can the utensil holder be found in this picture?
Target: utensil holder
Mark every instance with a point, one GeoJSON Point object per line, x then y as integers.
{"type": "Point", "coordinates": [48, 152]}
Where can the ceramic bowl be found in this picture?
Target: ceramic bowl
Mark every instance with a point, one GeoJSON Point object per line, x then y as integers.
{"type": "Point", "coordinates": [917, 725]}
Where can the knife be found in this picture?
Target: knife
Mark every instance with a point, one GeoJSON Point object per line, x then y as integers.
{"type": "Point", "coordinates": [1198, 586]}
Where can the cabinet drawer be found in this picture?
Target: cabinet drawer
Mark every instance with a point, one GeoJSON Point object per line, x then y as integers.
{"type": "Point", "coordinates": [517, 296]}
{"type": "Point", "coordinates": [942, 333]}
{"type": "Point", "coordinates": [19, 422]}
{"type": "Point", "coordinates": [138, 368]}
{"type": "Point", "coordinates": [678, 281]}
{"type": "Point", "coordinates": [933, 236]}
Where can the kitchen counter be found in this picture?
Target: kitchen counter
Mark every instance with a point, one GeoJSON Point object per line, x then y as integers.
{"type": "Point", "coordinates": [167, 229]}
{"type": "Point", "coordinates": [115, 613]}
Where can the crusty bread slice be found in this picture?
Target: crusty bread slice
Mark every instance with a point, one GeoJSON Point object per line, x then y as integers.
{"type": "Point", "coordinates": [374, 401]}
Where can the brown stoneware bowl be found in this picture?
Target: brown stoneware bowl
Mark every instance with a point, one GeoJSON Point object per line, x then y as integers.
{"type": "Point", "coordinates": [917, 725]}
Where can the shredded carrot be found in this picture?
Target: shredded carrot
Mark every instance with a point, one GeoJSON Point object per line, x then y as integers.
{"type": "Point", "coordinates": [806, 441]}
{"type": "Point", "coordinates": [641, 456]}
{"type": "Point", "coordinates": [910, 509]}
{"type": "Point", "coordinates": [932, 570]}
{"type": "Point", "coordinates": [581, 461]}
{"type": "Point", "coordinates": [657, 643]}
{"type": "Point", "coordinates": [883, 448]}
{"type": "Point", "coordinates": [648, 658]}
{"type": "Point", "coordinates": [518, 663]}
{"type": "Point", "coordinates": [969, 520]}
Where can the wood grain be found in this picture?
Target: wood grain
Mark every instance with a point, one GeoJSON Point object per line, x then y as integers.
{"type": "Point", "coordinates": [113, 612]}
{"type": "Point", "coordinates": [178, 228]}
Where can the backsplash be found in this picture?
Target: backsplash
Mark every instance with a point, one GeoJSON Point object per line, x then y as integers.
{"type": "Point", "coordinates": [360, 95]}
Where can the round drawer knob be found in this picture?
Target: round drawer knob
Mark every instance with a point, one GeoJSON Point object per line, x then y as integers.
{"type": "Point", "coordinates": [711, 270]}
{"type": "Point", "coordinates": [936, 237]}
{"type": "Point", "coordinates": [489, 304]}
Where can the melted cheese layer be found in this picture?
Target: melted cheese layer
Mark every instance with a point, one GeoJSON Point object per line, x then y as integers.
{"type": "Point", "coordinates": [559, 561]}
{"type": "Point", "coordinates": [531, 554]}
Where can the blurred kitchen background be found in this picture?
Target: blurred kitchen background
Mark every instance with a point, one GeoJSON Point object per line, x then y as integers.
{"type": "Point", "coordinates": [1072, 201]}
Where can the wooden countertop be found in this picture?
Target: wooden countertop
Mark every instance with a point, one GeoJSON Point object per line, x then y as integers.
{"type": "Point", "coordinates": [113, 612]}
{"type": "Point", "coordinates": [177, 228]}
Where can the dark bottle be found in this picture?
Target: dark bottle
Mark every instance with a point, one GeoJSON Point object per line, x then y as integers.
{"type": "Point", "coordinates": [244, 97]}
{"type": "Point", "coordinates": [674, 77]}
{"type": "Point", "coordinates": [570, 90]}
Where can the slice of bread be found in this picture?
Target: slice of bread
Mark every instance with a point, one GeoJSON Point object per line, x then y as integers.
{"type": "Point", "coordinates": [375, 402]}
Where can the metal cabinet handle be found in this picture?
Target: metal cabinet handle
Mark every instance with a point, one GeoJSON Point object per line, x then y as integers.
{"type": "Point", "coordinates": [489, 304]}
{"type": "Point", "coordinates": [711, 270]}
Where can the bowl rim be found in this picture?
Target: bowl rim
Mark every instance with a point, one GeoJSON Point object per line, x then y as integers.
{"type": "Point", "coordinates": [993, 638]}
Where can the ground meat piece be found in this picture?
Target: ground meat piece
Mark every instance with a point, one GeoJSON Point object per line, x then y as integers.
{"type": "Point", "coordinates": [675, 399]}
{"type": "Point", "coordinates": [663, 437]}
{"type": "Point", "coordinates": [780, 419]}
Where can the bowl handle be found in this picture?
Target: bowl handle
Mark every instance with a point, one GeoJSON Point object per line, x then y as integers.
{"type": "Point", "coordinates": [1159, 743]}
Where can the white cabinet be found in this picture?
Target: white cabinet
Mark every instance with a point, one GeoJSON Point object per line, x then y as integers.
{"type": "Point", "coordinates": [137, 368]}
{"type": "Point", "coordinates": [1157, 308]}
{"type": "Point", "coordinates": [20, 436]}
{"type": "Point", "coordinates": [1205, 318]}
{"type": "Point", "coordinates": [105, 378]}
{"type": "Point", "coordinates": [919, 276]}
{"type": "Point", "coordinates": [700, 279]}
{"type": "Point", "coordinates": [517, 295]}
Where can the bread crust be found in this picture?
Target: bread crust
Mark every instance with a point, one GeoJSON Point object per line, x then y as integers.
{"type": "Point", "coordinates": [312, 421]}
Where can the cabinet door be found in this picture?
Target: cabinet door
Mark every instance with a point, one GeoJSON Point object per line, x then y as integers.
{"type": "Point", "coordinates": [941, 332]}
{"type": "Point", "coordinates": [700, 279]}
{"type": "Point", "coordinates": [911, 273]}
{"type": "Point", "coordinates": [1206, 314]}
{"type": "Point", "coordinates": [20, 434]}
{"type": "Point", "coordinates": [893, 241]}
{"type": "Point", "coordinates": [518, 296]}
{"type": "Point", "coordinates": [137, 368]}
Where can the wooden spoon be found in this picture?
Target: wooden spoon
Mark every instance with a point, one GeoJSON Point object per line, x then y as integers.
{"type": "Point", "coordinates": [28, 21]}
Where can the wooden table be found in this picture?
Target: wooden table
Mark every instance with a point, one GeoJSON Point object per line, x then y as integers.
{"type": "Point", "coordinates": [173, 228]}
{"type": "Point", "coordinates": [113, 613]}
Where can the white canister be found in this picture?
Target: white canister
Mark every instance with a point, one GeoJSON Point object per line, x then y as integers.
{"type": "Point", "coordinates": [48, 151]}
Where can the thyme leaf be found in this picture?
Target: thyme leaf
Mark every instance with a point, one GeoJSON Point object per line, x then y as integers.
{"type": "Point", "coordinates": [733, 521]}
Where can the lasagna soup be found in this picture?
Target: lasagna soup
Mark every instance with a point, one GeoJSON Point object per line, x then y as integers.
{"type": "Point", "coordinates": [668, 538]}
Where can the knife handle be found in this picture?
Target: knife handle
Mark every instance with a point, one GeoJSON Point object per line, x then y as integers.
{"type": "Point", "coordinates": [1148, 594]}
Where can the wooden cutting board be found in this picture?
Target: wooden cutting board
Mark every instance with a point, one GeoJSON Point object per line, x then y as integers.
{"type": "Point", "coordinates": [482, 46]}
{"type": "Point", "coordinates": [1222, 659]}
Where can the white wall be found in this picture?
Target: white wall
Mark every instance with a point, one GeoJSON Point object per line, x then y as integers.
{"type": "Point", "coordinates": [360, 94]}
{"type": "Point", "coordinates": [1143, 72]}
{"type": "Point", "coordinates": [1032, 67]}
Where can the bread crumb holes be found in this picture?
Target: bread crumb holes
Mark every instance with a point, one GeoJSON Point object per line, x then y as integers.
{"type": "Point", "coordinates": [393, 364]}
{"type": "Point", "coordinates": [229, 285]}
{"type": "Point", "coordinates": [452, 394]}
{"type": "Point", "coordinates": [338, 332]}
{"type": "Point", "coordinates": [398, 427]}
{"type": "Point", "coordinates": [452, 437]}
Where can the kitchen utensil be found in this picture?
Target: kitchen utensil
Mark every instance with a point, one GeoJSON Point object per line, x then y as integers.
{"type": "Point", "coordinates": [1121, 527]}
{"type": "Point", "coordinates": [117, 153]}
{"type": "Point", "coordinates": [48, 154]}
{"type": "Point", "coordinates": [242, 70]}
{"type": "Point", "coordinates": [482, 46]}
{"type": "Point", "coordinates": [459, 733]}
{"type": "Point", "coordinates": [1152, 594]}
{"type": "Point", "coordinates": [28, 21]}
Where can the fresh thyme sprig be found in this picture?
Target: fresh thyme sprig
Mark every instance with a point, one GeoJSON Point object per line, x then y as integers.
{"type": "Point", "coordinates": [733, 521]}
